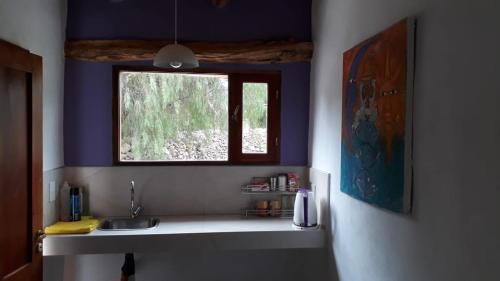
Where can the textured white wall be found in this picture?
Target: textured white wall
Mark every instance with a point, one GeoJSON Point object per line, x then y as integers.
{"type": "Point", "coordinates": [40, 26]}
{"type": "Point", "coordinates": [453, 232]}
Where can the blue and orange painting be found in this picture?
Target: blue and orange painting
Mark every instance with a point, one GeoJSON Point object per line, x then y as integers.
{"type": "Point", "coordinates": [376, 134]}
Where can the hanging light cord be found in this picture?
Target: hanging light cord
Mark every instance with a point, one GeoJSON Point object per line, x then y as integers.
{"type": "Point", "coordinates": [175, 22]}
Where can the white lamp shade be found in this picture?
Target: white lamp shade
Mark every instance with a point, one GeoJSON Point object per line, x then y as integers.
{"type": "Point", "coordinates": [175, 56]}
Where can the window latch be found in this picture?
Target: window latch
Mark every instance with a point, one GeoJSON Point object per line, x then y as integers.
{"type": "Point", "coordinates": [235, 113]}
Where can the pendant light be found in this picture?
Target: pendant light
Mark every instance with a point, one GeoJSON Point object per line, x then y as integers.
{"type": "Point", "coordinates": [175, 55]}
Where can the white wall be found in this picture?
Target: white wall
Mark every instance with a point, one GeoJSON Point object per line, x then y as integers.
{"type": "Point", "coordinates": [453, 232]}
{"type": "Point", "coordinates": [171, 190]}
{"type": "Point", "coordinates": [241, 265]}
{"type": "Point", "coordinates": [40, 26]}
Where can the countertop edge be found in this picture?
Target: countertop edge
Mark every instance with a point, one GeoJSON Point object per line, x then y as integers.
{"type": "Point", "coordinates": [234, 233]}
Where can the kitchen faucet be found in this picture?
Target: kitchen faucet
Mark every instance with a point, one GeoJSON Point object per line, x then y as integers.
{"type": "Point", "coordinates": [134, 211]}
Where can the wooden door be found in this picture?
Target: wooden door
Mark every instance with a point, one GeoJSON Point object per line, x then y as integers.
{"type": "Point", "coordinates": [20, 163]}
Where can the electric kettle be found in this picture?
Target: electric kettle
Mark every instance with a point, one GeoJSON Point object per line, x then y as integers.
{"type": "Point", "coordinates": [305, 213]}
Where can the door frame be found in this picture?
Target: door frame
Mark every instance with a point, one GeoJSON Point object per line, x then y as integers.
{"type": "Point", "coordinates": [12, 56]}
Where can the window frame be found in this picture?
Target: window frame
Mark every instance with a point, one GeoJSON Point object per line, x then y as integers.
{"type": "Point", "coordinates": [236, 79]}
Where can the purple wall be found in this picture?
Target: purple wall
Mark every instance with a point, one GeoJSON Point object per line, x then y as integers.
{"type": "Point", "coordinates": [88, 85]}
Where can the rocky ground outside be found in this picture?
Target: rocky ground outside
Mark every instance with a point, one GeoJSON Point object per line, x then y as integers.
{"type": "Point", "coordinates": [208, 145]}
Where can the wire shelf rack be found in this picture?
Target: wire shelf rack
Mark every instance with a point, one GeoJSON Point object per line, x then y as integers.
{"type": "Point", "coordinates": [285, 214]}
{"type": "Point", "coordinates": [265, 190]}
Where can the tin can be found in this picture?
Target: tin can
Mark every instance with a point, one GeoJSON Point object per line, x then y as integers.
{"type": "Point", "coordinates": [273, 183]}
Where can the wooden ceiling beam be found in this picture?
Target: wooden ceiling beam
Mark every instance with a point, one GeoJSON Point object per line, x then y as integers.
{"type": "Point", "coordinates": [220, 3]}
{"type": "Point", "coordinates": [254, 52]}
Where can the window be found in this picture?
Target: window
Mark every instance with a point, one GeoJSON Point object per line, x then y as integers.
{"type": "Point", "coordinates": [198, 117]}
{"type": "Point", "coordinates": [254, 106]}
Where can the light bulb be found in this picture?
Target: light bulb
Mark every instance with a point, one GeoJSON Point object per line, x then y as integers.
{"type": "Point", "coordinates": [175, 64]}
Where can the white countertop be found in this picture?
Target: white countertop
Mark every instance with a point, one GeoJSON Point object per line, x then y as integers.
{"type": "Point", "coordinates": [188, 232]}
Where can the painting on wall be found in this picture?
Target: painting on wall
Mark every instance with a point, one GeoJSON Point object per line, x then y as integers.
{"type": "Point", "coordinates": [377, 118]}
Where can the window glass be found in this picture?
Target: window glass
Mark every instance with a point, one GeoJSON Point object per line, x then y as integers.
{"type": "Point", "coordinates": [255, 110]}
{"type": "Point", "coordinates": [173, 116]}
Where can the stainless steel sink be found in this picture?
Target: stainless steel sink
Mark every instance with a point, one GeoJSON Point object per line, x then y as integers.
{"type": "Point", "coordinates": [128, 224]}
